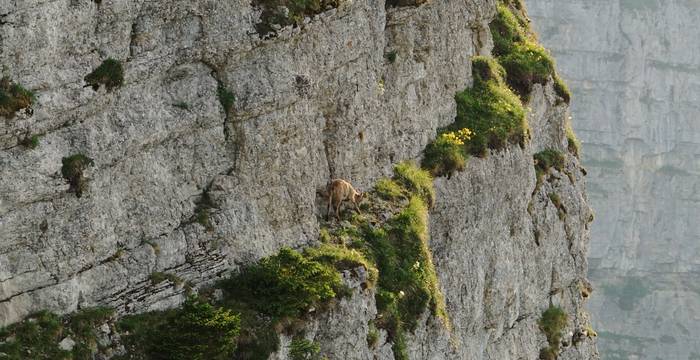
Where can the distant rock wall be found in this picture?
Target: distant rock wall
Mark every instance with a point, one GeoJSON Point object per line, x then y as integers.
{"type": "Point", "coordinates": [635, 75]}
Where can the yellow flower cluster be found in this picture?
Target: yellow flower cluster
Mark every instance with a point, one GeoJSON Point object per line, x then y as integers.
{"type": "Point", "coordinates": [456, 137]}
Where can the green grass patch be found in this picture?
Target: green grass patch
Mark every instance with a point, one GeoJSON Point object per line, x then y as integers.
{"type": "Point", "coordinates": [13, 97]}
{"type": "Point", "coordinates": [72, 170]}
{"type": "Point", "coordinates": [572, 142]}
{"type": "Point", "coordinates": [561, 89]}
{"type": "Point", "coordinates": [492, 112]}
{"type": "Point", "coordinates": [447, 154]}
{"type": "Point", "coordinates": [548, 159]}
{"type": "Point", "coordinates": [38, 336]}
{"type": "Point", "coordinates": [343, 258]}
{"type": "Point", "coordinates": [286, 285]}
{"type": "Point", "coordinates": [506, 31]}
{"type": "Point", "coordinates": [110, 74]}
{"type": "Point", "coordinates": [416, 181]}
{"type": "Point", "coordinates": [552, 323]}
{"type": "Point", "coordinates": [388, 189]}
{"type": "Point", "coordinates": [515, 46]}
{"type": "Point", "coordinates": [527, 63]}
{"type": "Point", "coordinates": [303, 349]}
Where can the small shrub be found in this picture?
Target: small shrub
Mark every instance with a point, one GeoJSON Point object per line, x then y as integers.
{"type": "Point", "coordinates": [30, 142]}
{"type": "Point", "coordinates": [388, 189]}
{"type": "Point", "coordinates": [561, 89]}
{"type": "Point", "coordinates": [391, 56]}
{"type": "Point", "coordinates": [490, 110]}
{"type": "Point", "coordinates": [552, 323]}
{"type": "Point", "coordinates": [416, 180]}
{"type": "Point", "coordinates": [547, 159]}
{"type": "Point", "coordinates": [528, 63]}
{"type": "Point", "coordinates": [110, 74]}
{"type": "Point", "coordinates": [13, 97]}
{"type": "Point", "coordinates": [286, 285]}
{"type": "Point", "coordinates": [303, 349]}
{"type": "Point", "coordinates": [226, 97]}
{"type": "Point", "coordinates": [197, 331]}
{"type": "Point", "coordinates": [72, 170]}
{"type": "Point", "coordinates": [446, 154]}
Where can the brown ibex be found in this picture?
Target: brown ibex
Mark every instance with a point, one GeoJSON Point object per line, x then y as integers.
{"type": "Point", "coordinates": [338, 191]}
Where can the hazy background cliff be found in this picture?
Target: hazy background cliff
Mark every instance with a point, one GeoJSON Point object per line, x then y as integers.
{"type": "Point", "coordinates": [634, 67]}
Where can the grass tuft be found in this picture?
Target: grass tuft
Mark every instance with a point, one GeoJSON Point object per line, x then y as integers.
{"type": "Point", "coordinates": [13, 97]}
{"type": "Point", "coordinates": [416, 180]}
{"type": "Point", "coordinates": [72, 170]}
{"type": "Point", "coordinates": [492, 112]}
{"type": "Point", "coordinates": [552, 323]}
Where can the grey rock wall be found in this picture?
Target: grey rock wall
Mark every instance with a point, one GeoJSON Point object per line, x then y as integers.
{"type": "Point", "coordinates": [633, 67]}
{"type": "Point", "coordinates": [316, 102]}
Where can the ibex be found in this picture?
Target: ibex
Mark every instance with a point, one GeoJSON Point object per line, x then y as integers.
{"type": "Point", "coordinates": [338, 191]}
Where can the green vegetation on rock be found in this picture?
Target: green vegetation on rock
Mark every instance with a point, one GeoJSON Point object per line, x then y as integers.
{"type": "Point", "coordinates": [72, 170]}
{"type": "Point", "coordinates": [490, 110]}
{"type": "Point", "coordinates": [196, 331]}
{"type": "Point", "coordinates": [281, 13]}
{"type": "Point", "coordinates": [38, 336]}
{"type": "Point", "coordinates": [13, 97]}
{"type": "Point", "coordinates": [552, 323]}
{"type": "Point", "coordinates": [110, 74]}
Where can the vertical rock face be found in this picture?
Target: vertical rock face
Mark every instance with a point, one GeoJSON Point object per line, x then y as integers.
{"type": "Point", "coordinates": [319, 101]}
{"type": "Point", "coordinates": [634, 72]}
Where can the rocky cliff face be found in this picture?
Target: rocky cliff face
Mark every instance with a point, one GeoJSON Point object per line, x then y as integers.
{"type": "Point", "coordinates": [318, 101]}
{"type": "Point", "coordinates": [635, 79]}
